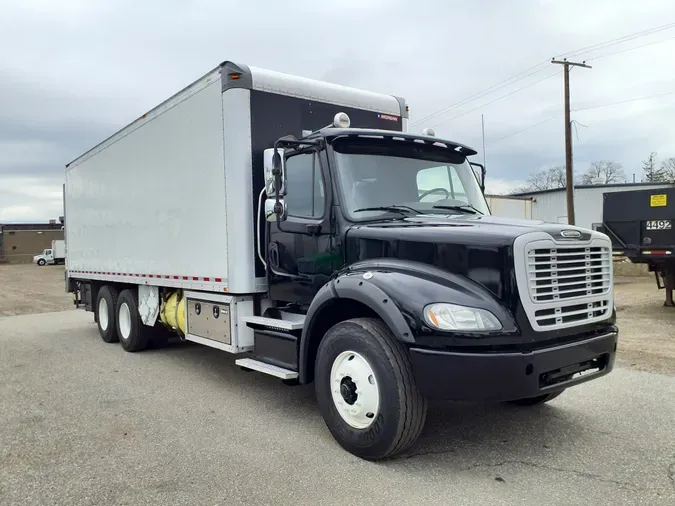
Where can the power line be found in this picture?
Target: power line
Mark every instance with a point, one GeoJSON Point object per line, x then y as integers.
{"type": "Point", "coordinates": [531, 71]}
{"type": "Point", "coordinates": [618, 40]}
{"type": "Point", "coordinates": [631, 48]}
{"type": "Point", "coordinates": [624, 101]}
{"type": "Point", "coordinates": [486, 91]}
{"type": "Point", "coordinates": [496, 99]}
{"type": "Point", "coordinates": [578, 110]}
{"type": "Point", "coordinates": [522, 130]}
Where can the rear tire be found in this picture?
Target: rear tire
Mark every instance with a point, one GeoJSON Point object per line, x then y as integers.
{"type": "Point", "coordinates": [534, 401]}
{"type": "Point", "coordinates": [366, 390]}
{"type": "Point", "coordinates": [106, 308]}
{"type": "Point", "coordinates": [133, 335]}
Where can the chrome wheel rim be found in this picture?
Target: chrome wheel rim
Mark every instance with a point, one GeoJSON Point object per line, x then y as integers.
{"type": "Point", "coordinates": [354, 390]}
{"type": "Point", "coordinates": [124, 322]}
{"type": "Point", "coordinates": [103, 314]}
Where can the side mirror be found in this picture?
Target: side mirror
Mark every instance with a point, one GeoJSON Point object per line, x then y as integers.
{"type": "Point", "coordinates": [275, 210]}
{"type": "Point", "coordinates": [270, 175]}
{"type": "Point", "coordinates": [479, 172]}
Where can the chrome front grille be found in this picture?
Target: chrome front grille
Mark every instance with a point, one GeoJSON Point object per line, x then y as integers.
{"type": "Point", "coordinates": [564, 284]}
{"type": "Point", "coordinates": [570, 314]}
{"type": "Point", "coordinates": [559, 274]}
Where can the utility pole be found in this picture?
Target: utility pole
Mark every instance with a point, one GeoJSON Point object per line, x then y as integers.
{"type": "Point", "coordinates": [569, 171]}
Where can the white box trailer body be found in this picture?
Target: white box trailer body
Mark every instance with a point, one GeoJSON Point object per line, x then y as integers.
{"type": "Point", "coordinates": [171, 199]}
{"type": "Point", "coordinates": [59, 249]}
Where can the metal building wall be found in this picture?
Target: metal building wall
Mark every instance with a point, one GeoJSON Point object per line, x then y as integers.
{"type": "Point", "coordinates": [19, 246]}
{"type": "Point", "coordinates": [510, 207]}
{"type": "Point", "coordinates": [552, 206]}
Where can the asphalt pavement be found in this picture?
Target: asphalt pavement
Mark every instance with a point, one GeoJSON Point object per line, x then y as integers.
{"type": "Point", "coordinates": [83, 422]}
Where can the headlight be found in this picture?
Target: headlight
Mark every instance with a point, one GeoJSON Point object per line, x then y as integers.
{"type": "Point", "coordinates": [452, 317]}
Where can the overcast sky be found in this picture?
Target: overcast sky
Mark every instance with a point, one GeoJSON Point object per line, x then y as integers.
{"type": "Point", "coordinates": [73, 72]}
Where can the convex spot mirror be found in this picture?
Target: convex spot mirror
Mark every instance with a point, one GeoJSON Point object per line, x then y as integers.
{"type": "Point", "coordinates": [274, 209]}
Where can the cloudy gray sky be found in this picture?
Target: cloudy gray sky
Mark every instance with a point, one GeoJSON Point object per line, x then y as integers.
{"type": "Point", "coordinates": [73, 72]}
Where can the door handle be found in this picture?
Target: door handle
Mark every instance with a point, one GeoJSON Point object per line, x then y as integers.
{"type": "Point", "coordinates": [273, 255]}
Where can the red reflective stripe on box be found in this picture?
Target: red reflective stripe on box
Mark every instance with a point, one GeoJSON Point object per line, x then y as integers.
{"type": "Point", "coordinates": [158, 276]}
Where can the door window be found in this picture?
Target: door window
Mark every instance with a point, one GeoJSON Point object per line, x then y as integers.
{"type": "Point", "coordinates": [305, 197]}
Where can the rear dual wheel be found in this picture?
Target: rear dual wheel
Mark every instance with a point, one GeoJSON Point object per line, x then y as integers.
{"type": "Point", "coordinates": [119, 321]}
{"type": "Point", "coordinates": [133, 335]}
{"type": "Point", "coordinates": [106, 304]}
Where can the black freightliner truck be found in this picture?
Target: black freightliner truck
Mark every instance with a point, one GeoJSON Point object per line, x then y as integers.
{"type": "Point", "coordinates": [299, 225]}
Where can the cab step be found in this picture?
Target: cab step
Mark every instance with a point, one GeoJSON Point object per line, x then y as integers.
{"type": "Point", "coordinates": [274, 323]}
{"type": "Point", "coordinates": [265, 368]}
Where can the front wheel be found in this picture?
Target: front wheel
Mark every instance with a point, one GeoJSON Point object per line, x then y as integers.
{"type": "Point", "coordinates": [366, 389]}
{"type": "Point", "coordinates": [41, 262]}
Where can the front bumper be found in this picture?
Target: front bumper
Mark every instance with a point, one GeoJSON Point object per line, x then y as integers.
{"type": "Point", "coordinates": [509, 376]}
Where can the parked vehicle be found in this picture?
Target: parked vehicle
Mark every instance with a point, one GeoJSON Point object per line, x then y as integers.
{"type": "Point", "coordinates": [640, 225]}
{"type": "Point", "coordinates": [297, 224]}
{"type": "Point", "coordinates": [52, 256]}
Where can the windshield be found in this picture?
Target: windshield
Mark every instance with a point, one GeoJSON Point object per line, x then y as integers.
{"type": "Point", "coordinates": [414, 179]}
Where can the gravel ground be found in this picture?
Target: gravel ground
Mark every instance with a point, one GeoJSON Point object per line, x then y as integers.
{"type": "Point", "coordinates": [85, 423]}
{"type": "Point", "coordinates": [27, 288]}
{"type": "Point", "coordinates": [647, 330]}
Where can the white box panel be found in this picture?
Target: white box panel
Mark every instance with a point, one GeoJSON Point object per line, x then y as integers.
{"type": "Point", "coordinates": [152, 202]}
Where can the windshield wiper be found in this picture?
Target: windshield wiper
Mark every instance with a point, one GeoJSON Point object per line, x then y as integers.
{"type": "Point", "coordinates": [397, 209]}
{"type": "Point", "coordinates": [467, 208]}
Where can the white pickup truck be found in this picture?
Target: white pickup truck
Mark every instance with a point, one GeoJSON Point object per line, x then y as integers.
{"type": "Point", "coordinates": [54, 255]}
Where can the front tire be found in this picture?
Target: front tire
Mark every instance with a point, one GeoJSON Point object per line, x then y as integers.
{"type": "Point", "coordinates": [366, 389]}
{"type": "Point", "coordinates": [41, 262]}
{"type": "Point", "coordinates": [132, 333]}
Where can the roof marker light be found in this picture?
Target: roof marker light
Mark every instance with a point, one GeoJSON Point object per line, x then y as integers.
{"type": "Point", "coordinates": [341, 120]}
{"type": "Point", "coordinates": [429, 132]}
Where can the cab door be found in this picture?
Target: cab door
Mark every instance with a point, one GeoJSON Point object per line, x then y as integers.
{"type": "Point", "coordinates": [299, 258]}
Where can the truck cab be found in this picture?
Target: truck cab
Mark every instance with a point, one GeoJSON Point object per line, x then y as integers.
{"type": "Point", "coordinates": [44, 258]}
{"type": "Point", "coordinates": [375, 237]}
{"type": "Point", "coordinates": [51, 256]}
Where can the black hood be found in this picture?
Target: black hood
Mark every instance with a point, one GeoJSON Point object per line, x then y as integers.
{"type": "Point", "coordinates": [478, 247]}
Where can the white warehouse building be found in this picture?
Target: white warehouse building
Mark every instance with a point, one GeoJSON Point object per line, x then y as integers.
{"type": "Point", "coordinates": [551, 205]}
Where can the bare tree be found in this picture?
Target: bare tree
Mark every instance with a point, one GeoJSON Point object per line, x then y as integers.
{"type": "Point", "coordinates": [653, 174]}
{"type": "Point", "coordinates": [668, 170]}
{"type": "Point", "coordinates": [604, 172]}
{"type": "Point", "coordinates": [545, 179]}
{"type": "Point", "coordinates": [558, 177]}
